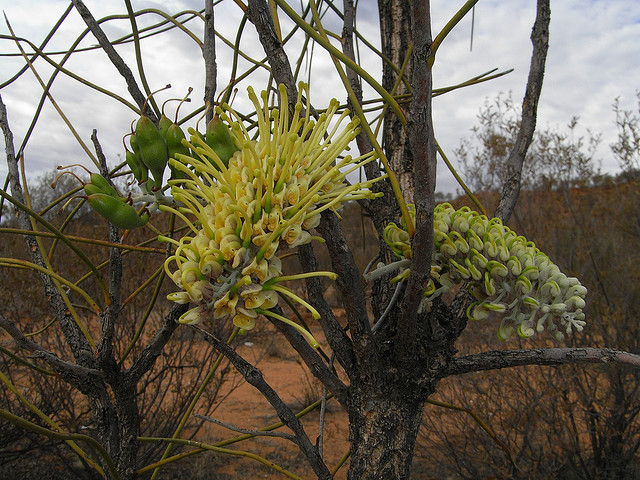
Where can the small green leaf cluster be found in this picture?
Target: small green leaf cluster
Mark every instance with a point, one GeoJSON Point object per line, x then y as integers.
{"type": "Point", "coordinates": [505, 273]}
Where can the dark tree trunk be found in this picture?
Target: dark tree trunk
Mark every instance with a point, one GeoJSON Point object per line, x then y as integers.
{"type": "Point", "coordinates": [395, 37]}
{"type": "Point", "coordinates": [383, 426]}
{"type": "Point", "coordinates": [117, 424]}
{"type": "Point", "coordinates": [395, 32]}
{"type": "Point", "coordinates": [385, 407]}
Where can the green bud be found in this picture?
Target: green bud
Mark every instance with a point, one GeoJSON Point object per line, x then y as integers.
{"type": "Point", "coordinates": [219, 139]}
{"type": "Point", "coordinates": [174, 137]}
{"type": "Point", "coordinates": [101, 183]}
{"type": "Point", "coordinates": [153, 149]}
{"type": "Point", "coordinates": [163, 125]}
{"type": "Point", "coordinates": [139, 169]}
{"type": "Point", "coordinates": [116, 211]}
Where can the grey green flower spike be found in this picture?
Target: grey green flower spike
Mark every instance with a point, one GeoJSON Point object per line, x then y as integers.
{"type": "Point", "coordinates": [506, 273]}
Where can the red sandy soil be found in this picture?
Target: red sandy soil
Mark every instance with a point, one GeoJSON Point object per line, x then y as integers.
{"type": "Point", "coordinates": [243, 406]}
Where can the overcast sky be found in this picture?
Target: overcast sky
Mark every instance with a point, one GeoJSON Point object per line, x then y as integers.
{"type": "Point", "coordinates": [593, 58]}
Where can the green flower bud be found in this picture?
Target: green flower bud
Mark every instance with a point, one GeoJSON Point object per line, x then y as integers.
{"type": "Point", "coordinates": [153, 149]}
{"type": "Point", "coordinates": [116, 211]}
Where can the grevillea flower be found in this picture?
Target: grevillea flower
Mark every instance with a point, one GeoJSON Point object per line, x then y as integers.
{"type": "Point", "coordinates": [506, 273]}
{"type": "Point", "coordinates": [242, 213]}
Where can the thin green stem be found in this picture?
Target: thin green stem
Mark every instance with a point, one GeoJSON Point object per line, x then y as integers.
{"type": "Point", "coordinates": [460, 181]}
{"type": "Point", "coordinates": [231, 441]}
{"type": "Point", "coordinates": [395, 185]}
{"type": "Point", "coordinates": [28, 364]}
{"type": "Point", "coordinates": [479, 421]}
{"type": "Point", "coordinates": [62, 237]}
{"type": "Point", "coordinates": [45, 418]}
{"type": "Point", "coordinates": [193, 403]}
{"type": "Point", "coordinates": [159, 273]}
{"type": "Point", "coordinates": [459, 15]}
{"type": "Point", "coordinates": [138, 51]}
{"type": "Point", "coordinates": [13, 262]}
{"type": "Point", "coordinates": [226, 451]}
{"type": "Point", "coordinates": [69, 73]}
{"type": "Point", "coordinates": [25, 424]}
{"type": "Point", "coordinates": [53, 102]}
{"type": "Point", "coordinates": [324, 42]}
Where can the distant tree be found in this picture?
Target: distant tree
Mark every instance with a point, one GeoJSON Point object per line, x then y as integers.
{"type": "Point", "coordinates": [556, 159]}
{"type": "Point", "coordinates": [627, 147]}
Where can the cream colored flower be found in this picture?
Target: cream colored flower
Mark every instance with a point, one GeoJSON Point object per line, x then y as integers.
{"type": "Point", "coordinates": [265, 198]}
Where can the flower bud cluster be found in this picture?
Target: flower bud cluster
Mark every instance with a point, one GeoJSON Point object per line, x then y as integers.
{"type": "Point", "coordinates": [265, 198]}
{"type": "Point", "coordinates": [506, 273]}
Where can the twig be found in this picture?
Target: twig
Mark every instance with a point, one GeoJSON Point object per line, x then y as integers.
{"type": "Point", "coordinates": [515, 162]}
{"type": "Point", "coordinates": [200, 446]}
{"type": "Point", "coordinates": [154, 348]}
{"type": "Point", "coordinates": [109, 316]}
{"type": "Point", "coordinates": [480, 422]}
{"type": "Point", "coordinates": [541, 356]}
{"type": "Point", "coordinates": [254, 377]}
{"type": "Point", "coordinates": [76, 375]}
{"type": "Point", "coordinates": [351, 287]}
{"type": "Point", "coordinates": [338, 340]}
{"type": "Point", "coordinates": [392, 303]}
{"type": "Point", "coordinates": [312, 359]}
{"type": "Point", "coordinates": [364, 144]}
{"type": "Point", "coordinates": [77, 437]}
{"type": "Point", "coordinates": [260, 15]}
{"type": "Point", "coordinates": [78, 343]}
{"type": "Point", "coordinates": [254, 433]}
{"type": "Point", "coordinates": [115, 58]}
{"type": "Point", "coordinates": [323, 410]}
{"type": "Point", "coordinates": [209, 54]}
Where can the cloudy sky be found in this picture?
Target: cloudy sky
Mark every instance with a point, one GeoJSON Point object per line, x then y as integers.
{"type": "Point", "coordinates": [593, 59]}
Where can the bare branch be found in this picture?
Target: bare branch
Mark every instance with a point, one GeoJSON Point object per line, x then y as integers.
{"type": "Point", "coordinates": [109, 316]}
{"type": "Point", "coordinates": [540, 356]}
{"type": "Point", "coordinates": [254, 433]}
{"type": "Point", "coordinates": [77, 341]}
{"type": "Point", "coordinates": [351, 287]}
{"type": "Point", "coordinates": [209, 54]}
{"type": "Point", "coordinates": [154, 348]}
{"type": "Point", "coordinates": [513, 174]}
{"type": "Point", "coordinates": [311, 358]}
{"type": "Point", "coordinates": [338, 340]}
{"type": "Point", "coordinates": [254, 377]}
{"type": "Point", "coordinates": [115, 58]}
{"type": "Point", "coordinates": [364, 144]}
{"type": "Point", "coordinates": [372, 169]}
{"type": "Point", "coordinates": [258, 13]}
{"type": "Point", "coordinates": [80, 377]}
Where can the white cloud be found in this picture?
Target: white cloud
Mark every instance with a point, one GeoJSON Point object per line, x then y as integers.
{"type": "Point", "coordinates": [592, 60]}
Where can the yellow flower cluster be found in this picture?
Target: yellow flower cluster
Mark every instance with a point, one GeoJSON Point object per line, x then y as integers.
{"type": "Point", "coordinates": [265, 198]}
{"type": "Point", "coordinates": [507, 274]}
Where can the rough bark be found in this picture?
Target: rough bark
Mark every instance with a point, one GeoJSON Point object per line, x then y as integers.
{"type": "Point", "coordinates": [395, 37]}
{"type": "Point", "coordinates": [209, 54]}
{"type": "Point", "coordinates": [113, 55]}
{"type": "Point", "coordinates": [382, 433]}
{"type": "Point", "coordinates": [385, 408]}
{"type": "Point", "coordinates": [260, 15]}
{"type": "Point", "coordinates": [422, 143]}
{"type": "Point", "coordinates": [395, 33]}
